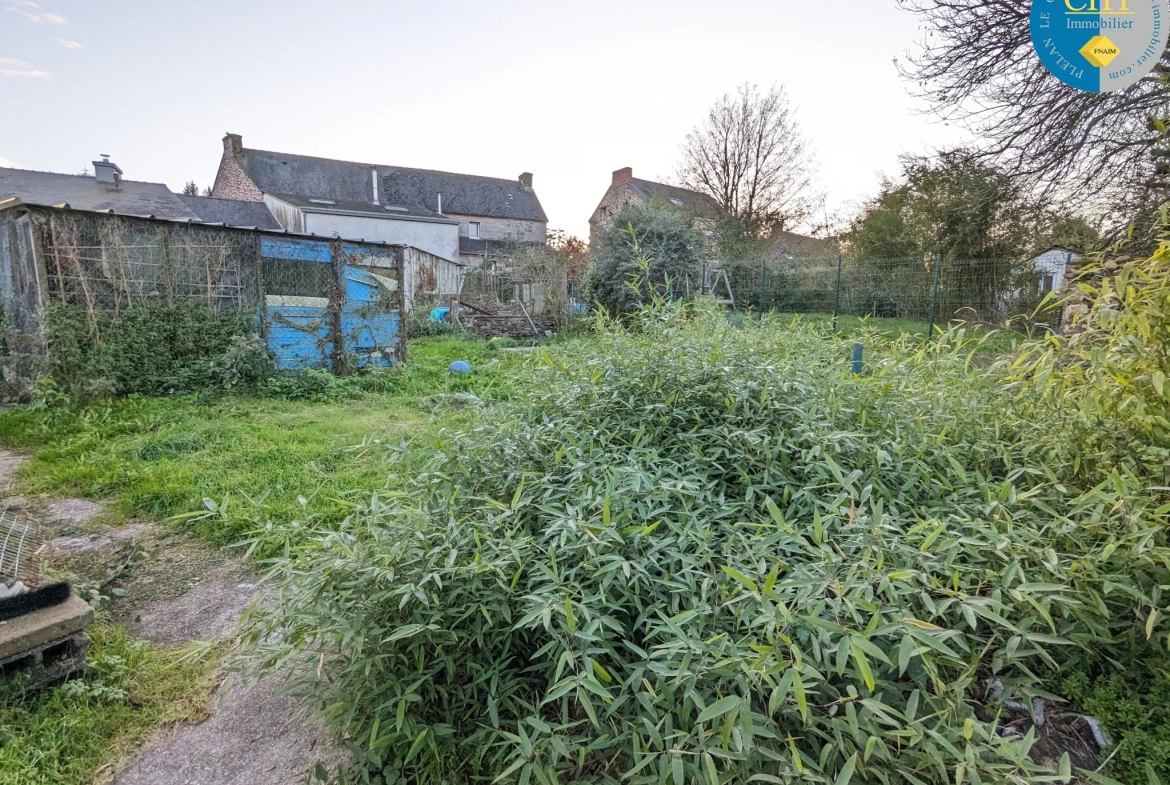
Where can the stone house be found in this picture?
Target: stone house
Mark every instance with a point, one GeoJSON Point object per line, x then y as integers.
{"type": "Point", "coordinates": [459, 217]}
{"type": "Point", "coordinates": [625, 188]}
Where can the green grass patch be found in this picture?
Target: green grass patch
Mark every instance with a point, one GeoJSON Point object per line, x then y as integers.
{"type": "Point", "coordinates": [70, 734]}
{"type": "Point", "coordinates": [162, 457]}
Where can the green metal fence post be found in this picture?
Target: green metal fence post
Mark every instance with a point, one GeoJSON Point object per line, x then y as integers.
{"type": "Point", "coordinates": [763, 281]}
{"type": "Point", "coordinates": [934, 294]}
{"type": "Point", "coordinates": [837, 293]}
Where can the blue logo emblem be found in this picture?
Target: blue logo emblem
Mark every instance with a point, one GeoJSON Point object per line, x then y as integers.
{"type": "Point", "coordinates": [1100, 46]}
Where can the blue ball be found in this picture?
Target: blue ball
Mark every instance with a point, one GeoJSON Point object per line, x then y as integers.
{"type": "Point", "coordinates": [459, 366]}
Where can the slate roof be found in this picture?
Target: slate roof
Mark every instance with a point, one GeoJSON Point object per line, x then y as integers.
{"type": "Point", "coordinates": [317, 204]}
{"type": "Point", "coordinates": [463, 194]}
{"type": "Point", "coordinates": [231, 212]}
{"type": "Point", "coordinates": [85, 193]}
{"type": "Point", "coordinates": [701, 205]}
{"type": "Point", "coordinates": [347, 181]}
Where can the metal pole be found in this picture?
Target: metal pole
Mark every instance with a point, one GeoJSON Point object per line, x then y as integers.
{"type": "Point", "coordinates": [934, 294]}
{"type": "Point", "coordinates": [763, 281]}
{"type": "Point", "coordinates": [837, 294]}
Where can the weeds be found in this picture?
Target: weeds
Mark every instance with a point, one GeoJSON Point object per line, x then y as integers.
{"type": "Point", "coordinates": [66, 735]}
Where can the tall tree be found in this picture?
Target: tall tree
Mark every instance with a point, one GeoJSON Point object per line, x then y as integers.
{"type": "Point", "coordinates": [953, 205]}
{"type": "Point", "coordinates": [750, 156]}
{"type": "Point", "coordinates": [978, 67]}
{"type": "Point", "coordinates": [190, 189]}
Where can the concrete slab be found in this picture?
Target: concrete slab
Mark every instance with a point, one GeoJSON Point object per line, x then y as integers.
{"type": "Point", "coordinates": [76, 546]}
{"type": "Point", "coordinates": [257, 736]}
{"type": "Point", "coordinates": [36, 629]}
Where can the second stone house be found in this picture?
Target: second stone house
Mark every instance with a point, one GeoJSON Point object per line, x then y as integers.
{"type": "Point", "coordinates": [625, 188]}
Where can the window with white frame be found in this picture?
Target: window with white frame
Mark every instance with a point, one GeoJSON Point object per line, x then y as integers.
{"type": "Point", "coordinates": [473, 230]}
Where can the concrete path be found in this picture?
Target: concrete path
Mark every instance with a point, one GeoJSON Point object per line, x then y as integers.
{"type": "Point", "coordinates": [178, 589]}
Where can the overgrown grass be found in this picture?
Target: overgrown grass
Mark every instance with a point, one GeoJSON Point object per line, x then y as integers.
{"type": "Point", "coordinates": [67, 735]}
{"type": "Point", "coordinates": [161, 457]}
{"type": "Point", "coordinates": [693, 552]}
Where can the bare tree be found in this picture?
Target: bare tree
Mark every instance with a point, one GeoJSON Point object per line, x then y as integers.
{"type": "Point", "coordinates": [750, 156]}
{"type": "Point", "coordinates": [978, 67]}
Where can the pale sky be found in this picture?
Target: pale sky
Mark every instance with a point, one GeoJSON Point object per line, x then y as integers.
{"type": "Point", "coordinates": [568, 92]}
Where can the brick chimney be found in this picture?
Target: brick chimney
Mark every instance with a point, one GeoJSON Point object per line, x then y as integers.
{"type": "Point", "coordinates": [623, 176]}
{"type": "Point", "coordinates": [233, 145]}
{"type": "Point", "coordinates": [526, 179]}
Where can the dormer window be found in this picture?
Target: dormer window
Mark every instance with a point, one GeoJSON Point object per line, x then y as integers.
{"type": "Point", "coordinates": [473, 230]}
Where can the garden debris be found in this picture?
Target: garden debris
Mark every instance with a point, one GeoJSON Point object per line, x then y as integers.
{"type": "Point", "coordinates": [1056, 733]}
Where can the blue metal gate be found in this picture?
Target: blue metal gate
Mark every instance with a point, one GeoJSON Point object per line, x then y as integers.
{"type": "Point", "coordinates": [363, 304]}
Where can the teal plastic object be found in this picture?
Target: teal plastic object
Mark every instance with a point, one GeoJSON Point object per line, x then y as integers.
{"type": "Point", "coordinates": [440, 314]}
{"type": "Point", "coordinates": [459, 366]}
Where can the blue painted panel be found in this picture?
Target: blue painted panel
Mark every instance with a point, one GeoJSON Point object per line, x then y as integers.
{"type": "Point", "coordinates": [299, 333]}
{"type": "Point", "coordinates": [371, 332]}
{"type": "Point", "coordinates": [297, 250]}
{"type": "Point", "coordinates": [298, 336]}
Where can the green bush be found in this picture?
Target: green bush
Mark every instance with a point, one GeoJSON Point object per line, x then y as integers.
{"type": "Point", "coordinates": [151, 349]}
{"type": "Point", "coordinates": [647, 250]}
{"type": "Point", "coordinates": [694, 553]}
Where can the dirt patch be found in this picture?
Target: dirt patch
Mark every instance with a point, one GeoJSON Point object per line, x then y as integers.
{"type": "Point", "coordinates": [10, 463]}
{"type": "Point", "coordinates": [256, 736]}
{"type": "Point", "coordinates": [166, 586]}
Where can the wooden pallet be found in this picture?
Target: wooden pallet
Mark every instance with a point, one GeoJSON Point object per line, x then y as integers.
{"type": "Point", "coordinates": [48, 646]}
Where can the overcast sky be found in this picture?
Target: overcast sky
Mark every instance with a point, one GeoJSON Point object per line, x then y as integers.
{"type": "Point", "coordinates": [569, 92]}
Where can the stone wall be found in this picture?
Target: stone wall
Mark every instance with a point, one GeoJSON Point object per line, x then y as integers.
{"type": "Point", "coordinates": [231, 181]}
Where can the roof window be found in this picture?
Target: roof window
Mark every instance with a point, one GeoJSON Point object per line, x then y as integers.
{"type": "Point", "coordinates": [322, 201]}
{"type": "Point", "coordinates": [676, 202]}
{"type": "Point", "coordinates": [396, 209]}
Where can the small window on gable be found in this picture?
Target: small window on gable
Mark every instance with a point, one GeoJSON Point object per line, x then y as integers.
{"type": "Point", "coordinates": [473, 230]}
{"type": "Point", "coordinates": [1047, 284]}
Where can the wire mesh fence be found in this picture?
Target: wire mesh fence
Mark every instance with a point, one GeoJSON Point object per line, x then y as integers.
{"type": "Point", "coordinates": [931, 290]}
